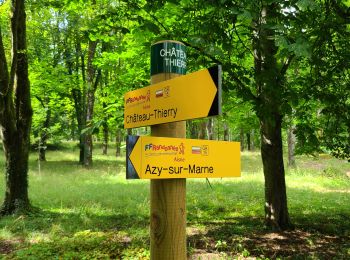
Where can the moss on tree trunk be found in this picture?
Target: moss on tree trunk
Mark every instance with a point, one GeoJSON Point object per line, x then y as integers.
{"type": "Point", "coordinates": [15, 115]}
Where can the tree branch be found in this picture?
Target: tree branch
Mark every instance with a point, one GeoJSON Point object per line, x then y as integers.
{"type": "Point", "coordinates": [14, 26]}
{"type": "Point", "coordinates": [242, 87]}
{"type": "Point", "coordinates": [239, 38]}
{"type": "Point", "coordinates": [97, 80]}
{"type": "Point", "coordinates": [287, 64]}
{"type": "Point", "coordinates": [202, 52]}
{"type": "Point", "coordinates": [40, 100]}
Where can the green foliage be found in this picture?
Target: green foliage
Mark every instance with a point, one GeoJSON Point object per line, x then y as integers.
{"type": "Point", "coordinates": [51, 88]}
{"type": "Point", "coordinates": [325, 112]}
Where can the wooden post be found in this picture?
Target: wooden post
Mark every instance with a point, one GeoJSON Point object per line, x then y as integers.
{"type": "Point", "coordinates": [168, 196]}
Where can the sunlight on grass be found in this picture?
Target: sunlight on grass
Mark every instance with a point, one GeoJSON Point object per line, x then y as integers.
{"type": "Point", "coordinates": [107, 216]}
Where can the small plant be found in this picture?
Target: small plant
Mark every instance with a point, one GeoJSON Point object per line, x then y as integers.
{"type": "Point", "coordinates": [221, 245]}
{"type": "Point", "coordinates": [245, 253]}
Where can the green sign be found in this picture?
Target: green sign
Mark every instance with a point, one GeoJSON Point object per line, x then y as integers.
{"type": "Point", "coordinates": [168, 57]}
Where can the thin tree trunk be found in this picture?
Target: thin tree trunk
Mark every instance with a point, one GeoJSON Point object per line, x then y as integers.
{"type": "Point", "coordinates": [226, 132]}
{"type": "Point", "coordinates": [252, 140]}
{"type": "Point", "coordinates": [105, 138]}
{"type": "Point", "coordinates": [193, 128]}
{"type": "Point", "coordinates": [241, 137]}
{"type": "Point", "coordinates": [79, 98]}
{"type": "Point", "coordinates": [210, 129]}
{"type": "Point", "coordinates": [118, 142]}
{"type": "Point", "coordinates": [44, 136]}
{"type": "Point", "coordinates": [76, 93]}
{"type": "Point", "coordinates": [291, 146]}
{"type": "Point", "coordinates": [90, 102]}
{"type": "Point", "coordinates": [248, 141]}
{"type": "Point", "coordinates": [201, 132]}
{"type": "Point", "coordinates": [105, 117]}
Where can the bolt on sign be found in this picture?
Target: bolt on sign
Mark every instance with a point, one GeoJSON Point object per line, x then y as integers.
{"type": "Point", "coordinates": [195, 95]}
{"type": "Point", "coordinates": [168, 57]}
{"type": "Point", "coordinates": [151, 157]}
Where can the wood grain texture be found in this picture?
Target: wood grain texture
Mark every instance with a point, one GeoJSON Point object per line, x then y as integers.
{"type": "Point", "coordinates": [168, 200]}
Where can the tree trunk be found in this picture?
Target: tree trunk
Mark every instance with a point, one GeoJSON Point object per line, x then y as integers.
{"type": "Point", "coordinates": [248, 141]}
{"type": "Point", "coordinates": [193, 129]}
{"type": "Point", "coordinates": [79, 98]}
{"type": "Point", "coordinates": [210, 129]}
{"type": "Point", "coordinates": [269, 80]}
{"type": "Point", "coordinates": [291, 146]}
{"type": "Point", "coordinates": [88, 135]}
{"type": "Point", "coordinates": [201, 132]}
{"type": "Point", "coordinates": [252, 140]}
{"type": "Point", "coordinates": [276, 211]}
{"type": "Point", "coordinates": [16, 115]}
{"type": "Point", "coordinates": [90, 102]}
{"type": "Point", "coordinates": [16, 147]}
{"type": "Point", "coordinates": [105, 138]}
{"type": "Point", "coordinates": [79, 111]}
{"type": "Point", "coordinates": [105, 117]}
{"type": "Point", "coordinates": [118, 141]}
{"type": "Point", "coordinates": [226, 132]}
{"type": "Point", "coordinates": [44, 136]}
{"type": "Point", "coordinates": [241, 137]}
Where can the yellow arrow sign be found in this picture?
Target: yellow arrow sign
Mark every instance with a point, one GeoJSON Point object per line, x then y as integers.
{"type": "Point", "coordinates": [164, 158]}
{"type": "Point", "coordinates": [191, 96]}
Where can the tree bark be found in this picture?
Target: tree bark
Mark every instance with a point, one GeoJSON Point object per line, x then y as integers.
{"type": "Point", "coordinates": [201, 132]}
{"type": "Point", "coordinates": [248, 141]}
{"type": "Point", "coordinates": [105, 117]}
{"type": "Point", "coordinates": [78, 95]}
{"type": "Point", "coordinates": [276, 211]}
{"type": "Point", "coordinates": [15, 115]}
{"type": "Point", "coordinates": [226, 132]}
{"type": "Point", "coordinates": [210, 129]}
{"type": "Point", "coordinates": [79, 111]}
{"type": "Point", "coordinates": [42, 145]}
{"type": "Point", "coordinates": [118, 141]}
{"type": "Point", "coordinates": [43, 133]}
{"type": "Point", "coordinates": [269, 83]}
{"type": "Point", "coordinates": [291, 146]}
{"type": "Point", "coordinates": [105, 138]}
{"type": "Point", "coordinates": [193, 128]}
{"type": "Point", "coordinates": [252, 140]}
{"type": "Point", "coordinates": [90, 102]}
{"type": "Point", "coordinates": [241, 137]}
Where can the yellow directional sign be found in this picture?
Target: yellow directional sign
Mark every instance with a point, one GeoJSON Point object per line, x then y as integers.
{"type": "Point", "coordinates": [191, 96]}
{"type": "Point", "coordinates": [163, 158]}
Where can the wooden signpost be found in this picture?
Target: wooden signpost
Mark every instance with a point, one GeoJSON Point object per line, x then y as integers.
{"type": "Point", "coordinates": [168, 196]}
{"type": "Point", "coordinates": [166, 157]}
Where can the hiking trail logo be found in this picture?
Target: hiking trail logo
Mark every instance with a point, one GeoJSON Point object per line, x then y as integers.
{"type": "Point", "coordinates": [140, 99]}
{"type": "Point", "coordinates": [152, 149]}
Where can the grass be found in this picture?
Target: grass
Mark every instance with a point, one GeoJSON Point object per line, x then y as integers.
{"type": "Point", "coordinates": [97, 214]}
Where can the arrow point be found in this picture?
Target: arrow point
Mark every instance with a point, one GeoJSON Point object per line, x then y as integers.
{"type": "Point", "coordinates": [216, 74]}
{"type": "Point", "coordinates": [131, 172]}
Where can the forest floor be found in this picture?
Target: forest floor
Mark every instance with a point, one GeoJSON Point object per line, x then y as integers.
{"type": "Point", "coordinates": [97, 214]}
